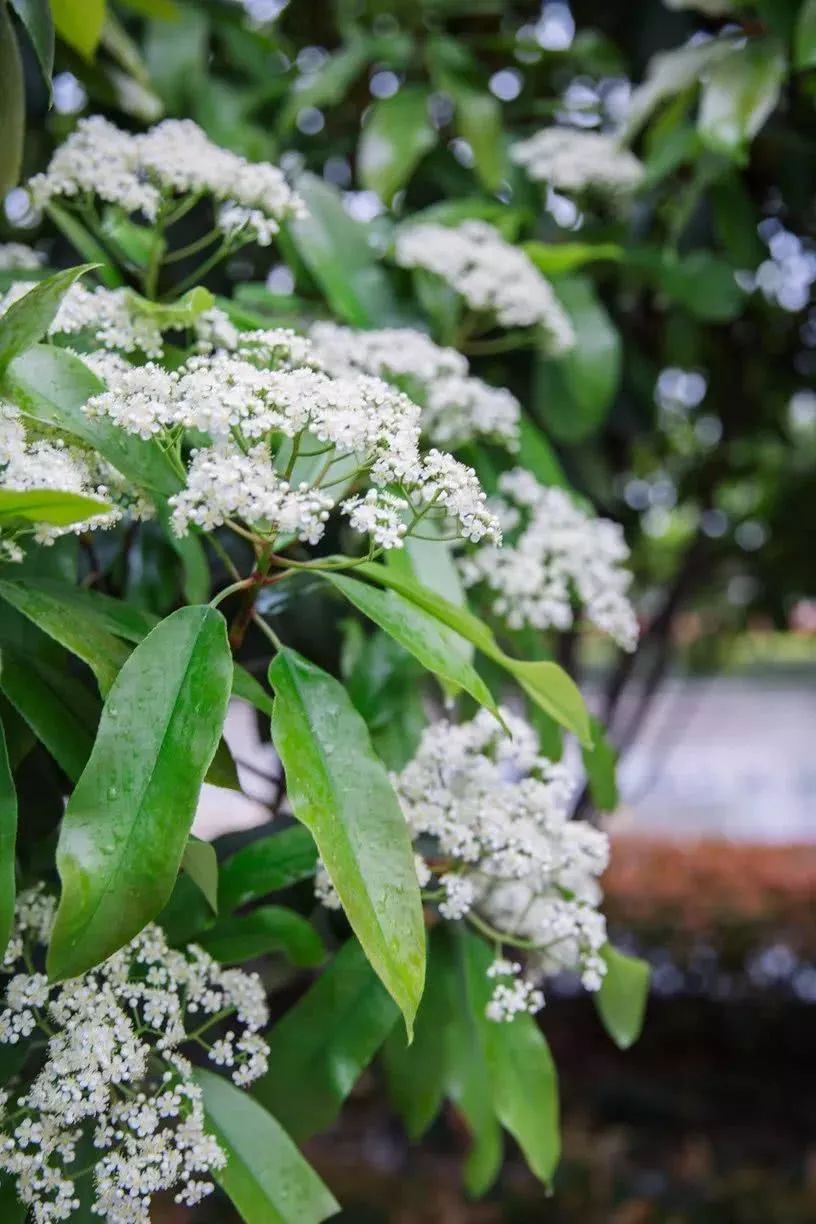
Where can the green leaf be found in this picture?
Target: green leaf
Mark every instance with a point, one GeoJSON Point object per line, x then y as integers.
{"type": "Point", "coordinates": [704, 284]}
{"type": "Point", "coordinates": [332, 81]}
{"type": "Point", "coordinates": [8, 844]}
{"type": "Point", "coordinates": [12, 104]}
{"type": "Point", "coordinates": [28, 319]}
{"type": "Point", "coordinates": [561, 258]}
{"type": "Point", "coordinates": [479, 120]}
{"type": "Point", "coordinates": [102, 612]}
{"type": "Point", "coordinates": [36, 17]}
{"type": "Point", "coordinates": [79, 634]}
{"type": "Point", "coordinates": [176, 55]}
{"type": "Point", "coordinates": [621, 1001]}
{"type": "Point", "coordinates": [599, 762]}
{"type": "Point", "coordinates": [223, 771]}
{"type": "Point", "coordinates": [52, 385]}
{"type": "Point", "coordinates": [338, 254]}
{"type": "Point", "coordinates": [340, 790]}
{"type": "Point", "coordinates": [267, 865]}
{"type": "Point", "coordinates": [126, 824]}
{"type": "Point", "coordinates": [80, 23]}
{"type": "Point", "coordinates": [265, 1176]}
{"type": "Point", "coordinates": [320, 1047]}
{"type": "Point", "coordinates": [162, 10]}
{"type": "Point", "coordinates": [538, 455]}
{"type": "Point", "coordinates": [179, 314]}
{"type": "Point", "coordinates": [523, 1079]}
{"type": "Point", "coordinates": [138, 243]}
{"type": "Point", "coordinates": [546, 683]}
{"type": "Point", "coordinates": [200, 863]}
{"type": "Point", "coordinates": [189, 549]}
{"type": "Point", "coordinates": [84, 242]}
{"type": "Point", "coordinates": [12, 1211]}
{"type": "Point", "coordinates": [58, 709]}
{"type": "Point", "coordinates": [804, 43]}
{"type": "Point", "coordinates": [270, 928]}
{"type": "Point", "coordinates": [739, 93]}
{"type": "Point", "coordinates": [421, 634]}
{"type": "Point", "coordinates": [245, 686]}
{"type": "Point", "coordinates": [579, 388]}
{"type": "Point", "coordinates": [671, 72]}
{"type": "Point", "coordinates": [49, 506]}
{"type": "Point", "coordinates": [395, 138]}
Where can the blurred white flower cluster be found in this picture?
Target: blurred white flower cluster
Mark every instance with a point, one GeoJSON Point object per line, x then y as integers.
{"type": "Point", "coordinates": [111, 1078]}
{"type": "Point", "coordinates": [557, 556]}
{"type": "Point", "coordinates": [575, 160]}
{"type": "Point", "coordinates": [495, 846]}
{"type": "Point", "coordinates": [145, 173]}
{"type": "Point", "coordinates": [494, 277]}
{"type": "Point", "coordinates": [15, 255]}
{"type": "Point", "coordinates": [456, 407]}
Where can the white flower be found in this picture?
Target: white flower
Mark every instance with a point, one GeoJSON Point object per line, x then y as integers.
{"type": "Point", "coordinates": [112, 1075]}
{"type": "Point", "coordinates": [380, 515]}
{"type": "Point", "coordinates": [492, 276]}
{"type": "Point", "coordinates": [575, 160]}
{"type": "Point", "coordinates": [560, 555]}
{"type": "Point", "coordinates": [456, 407]}
{"type": "Point", "coordinates": [460, 894]}
{"type": "Point", "coordinates": [110, 316]}
{"type": "Point", "coordinates": [15, 255]}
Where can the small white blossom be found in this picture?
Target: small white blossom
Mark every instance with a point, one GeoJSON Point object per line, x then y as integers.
{"type": "Point", "coordinates": [576, 160]}
{"type": "Point", "coordinates": [493, 277]}
{"type": "Point", "coordinates": [110, 316]}
{"type": "Point", "coordinates": [380, 515]}
{"type": "Point", "coordinates": [15, 255]}
{"type": "Point", "coordinates": [560, 554]}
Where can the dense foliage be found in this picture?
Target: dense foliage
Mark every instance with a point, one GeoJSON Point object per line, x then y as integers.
{"type": "Point", "coordinates": [374, 321]}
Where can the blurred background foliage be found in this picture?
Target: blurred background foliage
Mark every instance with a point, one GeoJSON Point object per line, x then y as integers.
{"type": "Point", "coordinates": [687, 412]}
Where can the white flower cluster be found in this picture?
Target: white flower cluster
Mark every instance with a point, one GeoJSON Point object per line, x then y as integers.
{"type": "Point", "coordinates": [109, 316]}
{"type": "Point", "coordinates": [140, 173]}
{"type": "Point", "coordinates": [493, 277]}
{"type": "Point", "coordinates": [489, 814]}
{"type": "Point", "coordinates": [243, 407]}
{"type": "Point", "coordinates": [456, 407]}
{"type": "Point", "coordinates": [575, 160]}
{"type": "Point", "coordinates": [112, 1074]}
{"type": "Point", "coordinates": [560, 555]}
{"type": "Point", "coordinates": [15, 255]}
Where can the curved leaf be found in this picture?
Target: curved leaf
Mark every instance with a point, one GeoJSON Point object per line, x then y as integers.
{"type": "Point", "coordinates": [265, 866]}
{"type": "Point", "coordinates": [621, 1001]}
{"type": "Point", "coordinates": [36, 17]}
{"type": "Point", "coordinates": [739, 93]}
{"type": "Point", "coordinates": [80, 24]}
{"type": "Point", "coordinates": [60, 711]}
{"type": "Point", "coordinates": [126, 824]}
{"type": "Point", "coordinates": [804, 47]}
{"type": "Point", "coordinates": [49, 506]}
{"type": "Point", "coordinates": [396, 136]}
{"type": "Point", "coordinates": [200, 863]}
{"type": "Point", "coordinates": [28, 319]}
{"type": "Point", "coordinates": [340, 790]}
{"type": "Point", "coordinates": [265, 1176]}
{"type": "Point", "coordinates": [271, 928]}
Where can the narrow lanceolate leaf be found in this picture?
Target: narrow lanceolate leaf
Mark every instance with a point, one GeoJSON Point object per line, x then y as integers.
{"type": "Point", "coordinates": [126, 824]}
{"type": "Point", "coordinates": [36, 17]}
{"type": "Point", "coordinates": [395, 138]}
{"type": "Point", "coordinates": [265, 1176]}
{"type": "Point", "coordinates": [49, 506]}
{"type": "Point", "coordinates": [58, 709]}
{"type": "Point", "coordinates": [8, 841]}
{"type": "Point", "coordinates": [547, 684]}
{"type": "Point", "coordinates": [321, 1046]}
{"type": "Point", "coordinates": [421, 634]}
{"type": "Point", "coordinates": [340, 790]}
{"type": "Point", "coordinates": [12, 104]}
{"type": "Point", "coordinates": [28, 319]}
{"type": "Point", "coordinates": [621, 1001]}
{"type": "Point", "coordinates": [270, 928]}
{"type": "Point", "coordinates": [265, 866]}
{"type": "Point", "coordinates": [81, 635]}
{"type": "Point", "coordinates": [200, 863]}
{"type": "Point", "coordinates": [80, 24]}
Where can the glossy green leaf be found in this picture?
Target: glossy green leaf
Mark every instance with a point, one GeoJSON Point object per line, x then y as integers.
{"type": "Point", "coordinates": [8, 843]}
{"type": "Point", "coordinates": [100, 612]}
{"type": "Point", "coordinates": [621, 1001]}
{"type": "Point", "coordinates": [671, 72]}
{"type": "Point", "coordinates": [49, 506]}
{"type": "Point", "coordinates": [270, 928]}
{"type": "Point", "coordinates": [546, 683]}
{"type": "Point", "coordinates": [339, 256]}
{"type": "Point", "coordinates": [320, 1047]}
{"type": "Point", "coordinates": [52, 385]}
{"type": "Point", "coordinates": [804, 43]}
{"type": "Point", "coordinates": [85, 244]}
{"type": "Point", "coordinates": [340, 790]}
{"type": "Point", "coordinates": [12, 104]}
{"type": "Point", "coordinates": [36, 17]}
{"type": "Point", "coordinates": [80, 24]}
{"type": "Point", "coordinates": [223, 771]}
{"type": "Point", "coordinates": [58, 709]}
{"type": "Point", "coordinates": [245, 686]}
{"type": "Point", "coordinates": [200, 863]}
{"type": "Point", "coordinates": [580, 387]}
{"type": "Point", "coordinates": [267, 865]}
{"type": "Point", "coordinates": [79, 634]}
{"type": "Point", "coordinates": [600, 762]}
{"type": "Point", "coordinates": [739, 94]}
{"type": "Point", "coordinates": [395, 138]}
{"type": "Point", "coordinates": [385, 684]}
{"type": "Point", "coordinates": [432, 564]}
{"type": "Point", "coordinates": [420, 633]}
{"type": "Point", "coordinates": [561, 258]}
{"type": "Point", "coordinates": [479, 121]}
{"type": "Point", "coordinates": [265, 1176]}
{"type": "Point", "coordinates": [127, 821]}
{"type": "Point", "coordinates": [522, 1074]}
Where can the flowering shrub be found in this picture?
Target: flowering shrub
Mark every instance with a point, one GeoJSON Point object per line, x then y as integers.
{"type": "Point", "coordinates": [322, 496]}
